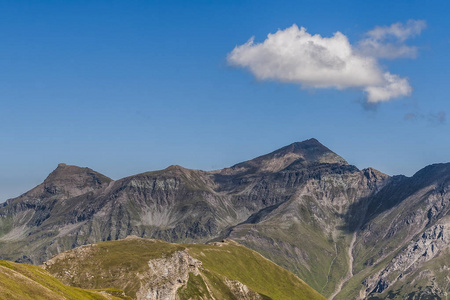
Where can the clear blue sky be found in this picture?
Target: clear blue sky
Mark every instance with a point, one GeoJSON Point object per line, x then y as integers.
{"type": "Point", "coordinates": [125, 87]}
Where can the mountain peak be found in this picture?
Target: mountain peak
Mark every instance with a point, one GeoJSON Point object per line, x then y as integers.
{"type": "Point", "coordinates": [310, 151]}
{"type": "Point", "coordinates": [69, 181]}
{"type": "Point", "coordinates": [312, 142]}
{"type": "Point", "coordinates": [309, 141]}
{"type": "Point", "coordinates": [306, 145]}
{"type": "Point", "coordinates": [65, 172]}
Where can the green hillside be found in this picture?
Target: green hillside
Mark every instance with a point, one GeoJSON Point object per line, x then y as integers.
{"type": "Point", "coordinates": [224, 270]}
{"type": "Point", "coordinates": [22, 282]}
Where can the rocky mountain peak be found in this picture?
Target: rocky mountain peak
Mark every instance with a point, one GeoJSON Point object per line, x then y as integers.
{"type": "Point", "coordinates": [308, 151]}
{"type": "Point", "coordinates": [69, 181]}
{"type": "Point", "coordinates": [75, 176]}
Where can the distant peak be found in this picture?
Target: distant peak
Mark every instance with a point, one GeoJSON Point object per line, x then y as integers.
{"type": "Point", "coordinates": [309, 141]}
{"type": "Point", "coordinates": [175, 167]}
{"type": "Point", "coordinates": [64, 169]}
{"type": "Point", "coordinates": [73, 177]}
{"type": "Point", "coordinates": [309, 151]}
{"type": "Point", "coordinates": [68, 181]}
{"type": "Point", "coordinates": [306, 144]}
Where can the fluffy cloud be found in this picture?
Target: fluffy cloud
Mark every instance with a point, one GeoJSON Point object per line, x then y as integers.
{"type": "Point", "coordinates": [293, 55]}
{"type": "Point", "coordinates": [393, 86]}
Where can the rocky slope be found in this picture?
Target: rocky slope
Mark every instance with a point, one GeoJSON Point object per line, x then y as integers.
{"type": "Point", "coordinates": [153, 269]}
{"type": "Point", "coordinates": [405, 238]}
{"type": "Point", "coordinates": [302, 206]}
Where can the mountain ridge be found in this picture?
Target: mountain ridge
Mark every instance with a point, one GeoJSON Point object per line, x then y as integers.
{"type": "Point", "coordinates": [154, 269]}
{"type": "Point", "coordinates": [266, 203]}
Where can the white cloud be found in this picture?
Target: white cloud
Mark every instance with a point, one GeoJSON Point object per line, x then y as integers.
{"type": "Point", "coordinates": [400, 31]}
{"type": "Point", "coordinates": [393, 86]}
{"type": "Point", "coordinates": [389, 41]}
{"type": "Point", "coordinates": [293, 55]}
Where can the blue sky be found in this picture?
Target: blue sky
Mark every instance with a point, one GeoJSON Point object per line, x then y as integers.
{"type": "Point", "coordinates": [125, 87]}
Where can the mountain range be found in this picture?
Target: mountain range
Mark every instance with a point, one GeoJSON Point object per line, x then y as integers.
{"type": "Point", "coordinates": [348, 233]}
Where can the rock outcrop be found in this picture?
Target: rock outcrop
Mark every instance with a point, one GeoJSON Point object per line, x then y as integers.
{"type": "Point", "coordinates": [166, 275]}
{"type": "Point", "coordinates": [431, 243]}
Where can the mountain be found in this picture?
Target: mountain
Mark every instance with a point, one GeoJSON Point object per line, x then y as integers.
{"type": "Point", "coordinates": [342, 230]}
{"type": "Point", "coordinates": [65, 182]}
{"type": "Point", "coordinates": [309, 151]}
{"type": "Point", "coordinates": [76, 206]}
{"type": "Point", "coordinates": [153, 269]}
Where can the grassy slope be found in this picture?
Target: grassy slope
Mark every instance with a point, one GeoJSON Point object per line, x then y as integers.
{"type": "Point", "coordinates": [114, 264]}
{"type": "Point", "coordinates": [229, 261]}
{"type": "Point", "coordinates": [20, 281]}
{"type": "Point", "coordinates": [300, 245]}
{"type": "Point", "coordinates": [237, 262]}
{"type": "Point", "coordinates": [280, 248]}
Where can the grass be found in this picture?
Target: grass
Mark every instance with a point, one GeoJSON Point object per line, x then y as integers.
{"type": "Point", "coordinates": [6, 224]}
{"type": "Point", "coordinates": [195, 289]}
{"type": "Point", "coordinates": [120, 264]}
{"type": "Point", "coordinates": [301, 247]}
{"type": "Point", "coordinates": [113, 264]}
{"type": "Point", "coordinates": [21, 282]}
{"type": "Point", "coordinates": [261, 275]}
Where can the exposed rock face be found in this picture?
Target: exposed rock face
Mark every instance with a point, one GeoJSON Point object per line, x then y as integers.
{"type": "Point", "coordinates": [241, 291]}
{"type": "Point", "coordinates": [166, 275]}
{"type": "Point", "coordinates": [302, 206]}
{"type": "Point", "coordinates": [430, 244]}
